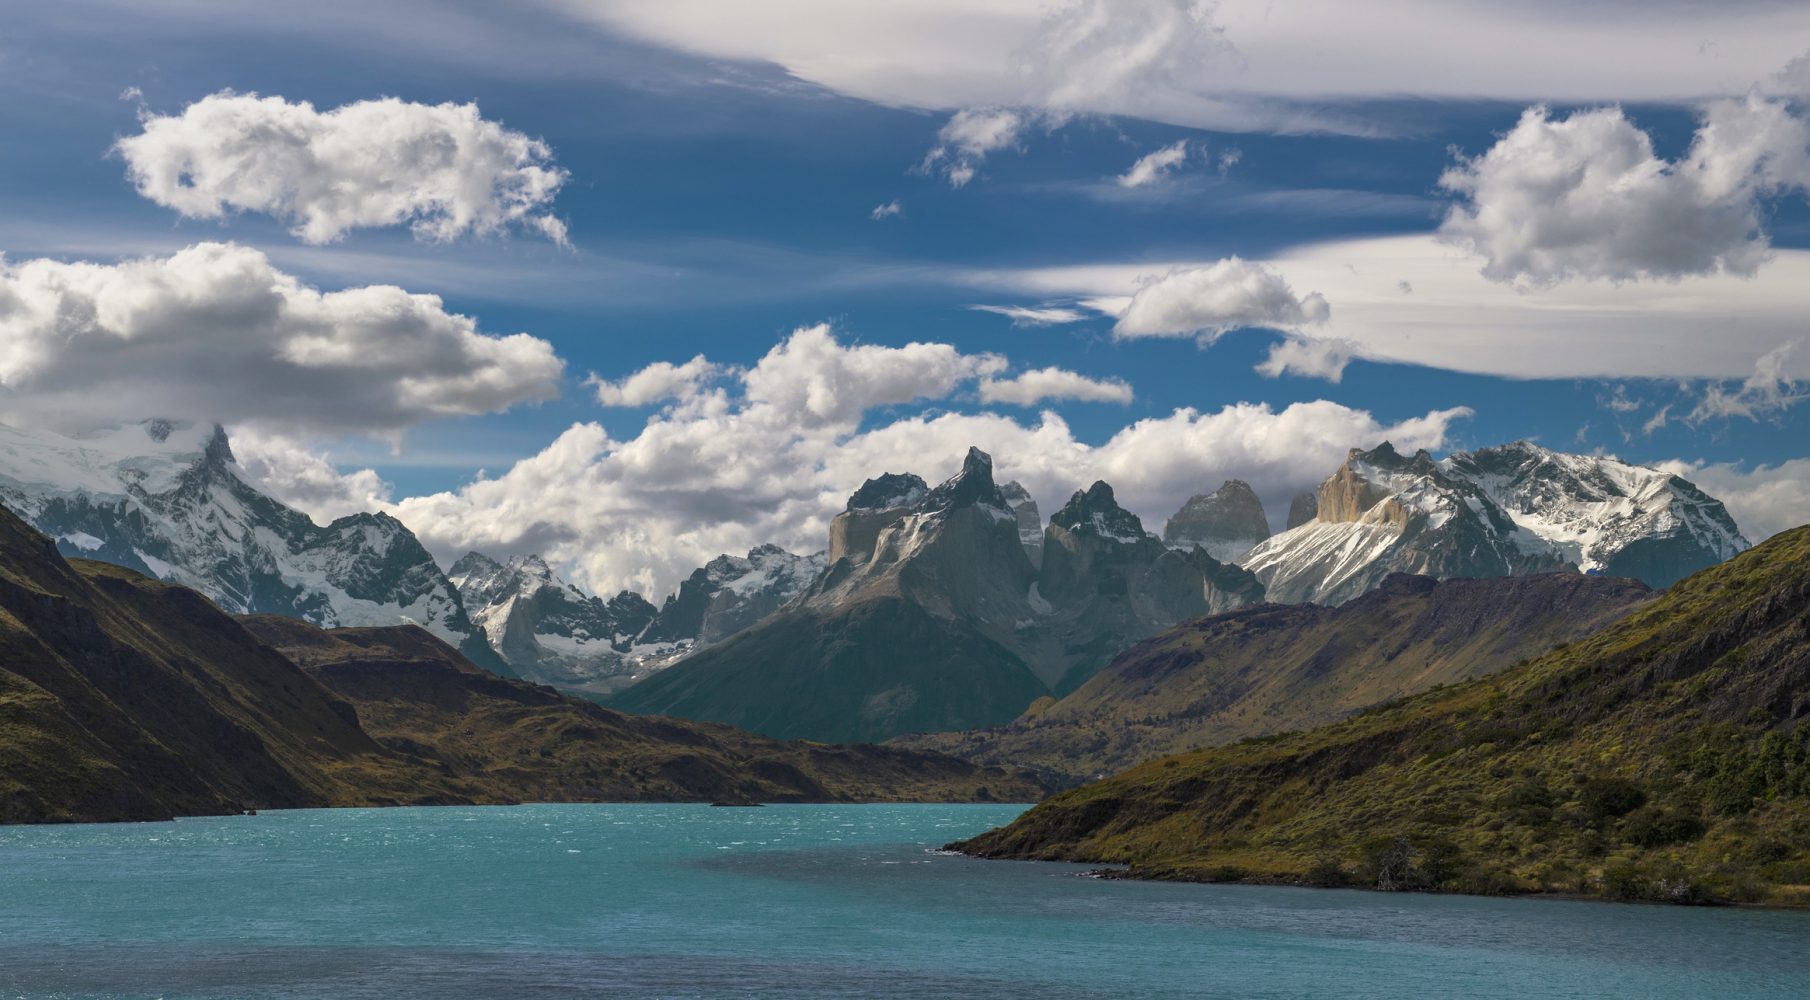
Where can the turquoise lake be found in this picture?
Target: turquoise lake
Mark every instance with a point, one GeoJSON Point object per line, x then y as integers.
{"type": "Point", "coordinates": [792, 901]}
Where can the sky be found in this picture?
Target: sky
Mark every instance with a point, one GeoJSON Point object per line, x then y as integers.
{"type": "Point", "coordinates": [634, 284]}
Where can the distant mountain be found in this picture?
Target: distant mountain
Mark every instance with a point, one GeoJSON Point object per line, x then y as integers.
{"type": "Point", "coordinates": [1273, 668]}
{"type": "Point", "coordinates": [550, 631]}
{"type": "Point", "coordinates": [168, 500]}
{"type": "Point", "coordinates": [1227, 523]}
{"type": "Point", "coordinates": [1109, 584]}
{"type": "Point", "coordinates": [546, 629]}
{"type": "Point", "coordinates": [1665, 757]}
{"type": "Point", "coordinates": [1505, 511]}
{"type": "Point", "coordinates": [930, 615]}
{"type": "Point", "coordinates": [730, 593]}
{"type": "Point", "coordinates": [124, 698]}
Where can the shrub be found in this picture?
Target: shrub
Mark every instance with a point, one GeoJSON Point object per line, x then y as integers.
{"type": "Point", "coordinates": [1657, 827]}
{"type": "Point", "coordinates": [1610, 798]}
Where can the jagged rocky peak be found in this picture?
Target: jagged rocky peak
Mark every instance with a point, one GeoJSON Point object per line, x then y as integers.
{"type": "Point", "coordinates": [878, 503]}
{"type": "Point", "coordinates": [888, 491]}
{"type": "Point", "coordinates": [1304, 508]}
{"type": "Point", "coordinates": [971, 487]}
{"type": "Point", "coordinates": [546, 628]}
{"type": "Point", "coordinates": [1096, 511]}
{"type": "Point", "coordinates": [1227, 523]}
{"type": "Point", "coordinates": [1030, 522]}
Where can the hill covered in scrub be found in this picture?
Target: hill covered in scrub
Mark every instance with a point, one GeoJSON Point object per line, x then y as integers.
{"type": "Point", "coordinates": [1278, 667]}
{"type": "Point", "coordinates": [124, 698]}
{"type": "Point", "coordinates": [507, 740]}
{"type": "Point", "coordinates": [1665, 757]}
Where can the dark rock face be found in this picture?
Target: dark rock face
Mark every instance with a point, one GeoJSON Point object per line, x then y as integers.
{"type": "Point", "coordinates": [1097, 511]}
{"type": "Point", "coordinates": [1227, 523]}
{"type": "Point", "coordinates": [1304, 508]}
{"type": "Point", "coordinates": [1030, 523]}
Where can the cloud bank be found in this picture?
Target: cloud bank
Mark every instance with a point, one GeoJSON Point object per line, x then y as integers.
{"type": "Point", "coordinates": [770, 454]}
{"type": "Point", "coordinates": [215, 332]}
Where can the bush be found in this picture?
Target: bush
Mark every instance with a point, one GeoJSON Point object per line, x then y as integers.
{"type": "Point", "coordinates": [1657, 827]}
{"type": "Point", "coordinates": [1610, 798]}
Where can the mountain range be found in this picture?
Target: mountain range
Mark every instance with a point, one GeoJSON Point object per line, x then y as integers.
{"type": "Point", "coordinates": [931, 614]}
{"type": "Point", "coordinates": [123, 697]}
{"type": "Point", "coordinates": [1503, 511]}
{"type": "Point", "coordinates": [931, 609]}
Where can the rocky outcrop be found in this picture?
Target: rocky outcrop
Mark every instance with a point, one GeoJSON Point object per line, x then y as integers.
{"type": "Point", "coordinates": [1227, 523]}
{"type": "Point", "coordinates": [1304, 508]}
{"type": "Point", "coordinates": [1030, 522]}
{"type": "Point", "coordinates": [877, 504]}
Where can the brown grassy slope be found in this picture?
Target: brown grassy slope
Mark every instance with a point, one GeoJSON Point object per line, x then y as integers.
{"type": "Point", "coordinates": [123, 698]}
{"type": "Point", "coordinates": [506, 740]}
{"type": "Point", "coordinates": [1275, 668]}
{"type": "Point", "coordinates": [1664, 757]}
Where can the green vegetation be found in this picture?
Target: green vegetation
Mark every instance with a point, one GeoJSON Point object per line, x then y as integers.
{"type": "Point", "coordinates": [1663, 758]}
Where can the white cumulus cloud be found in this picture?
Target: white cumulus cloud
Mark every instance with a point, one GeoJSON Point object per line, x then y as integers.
{"type": "Point", "coordinates": [969, 137]}
{"type": "Point", "coordinates": [1205, 302]}
{"type": "Point", "coordinates": [1033, 387]}
{"type": "Point", "coordinates": [656, 383]}
{"type": "Point", "coordinates": [1585, 197]}
{"type": "Point", "coordinates": [1310, 357]}
{"type": "Point", "coordinates": [290, 471]}
{"type": "Point", "coordinates": [215, 332]}
{"type": "Point", "coordinates": [442, 169]}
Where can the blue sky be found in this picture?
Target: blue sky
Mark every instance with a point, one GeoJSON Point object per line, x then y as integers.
{"type": "Point", "coordinates": [719, 193]}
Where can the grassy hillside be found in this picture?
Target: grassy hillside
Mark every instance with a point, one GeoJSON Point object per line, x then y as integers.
{"type": "Point", "coordinates": [123, 698]}
{"type": "Point", "coordinates": [873, 671]}
{"type": "Point", "coordinates": [1665, 757]}
{"type": "Point", "coordinates": [506, 740]}
{"type": "Point", "coordinates": [1274, 668]}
